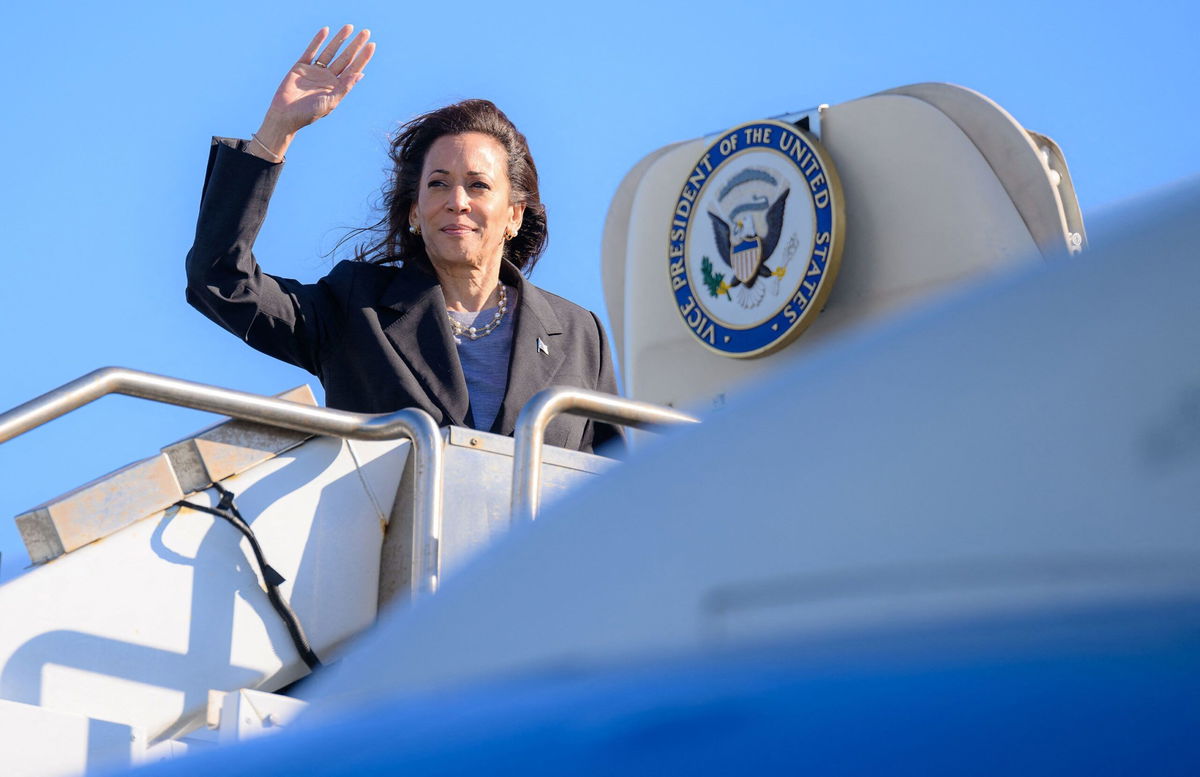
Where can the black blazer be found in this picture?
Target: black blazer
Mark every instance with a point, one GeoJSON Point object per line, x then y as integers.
{"type": "Point", "coordinates": [378, 336]}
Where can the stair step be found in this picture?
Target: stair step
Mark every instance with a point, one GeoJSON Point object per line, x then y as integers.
{"type": "Point", "coordinates": [113, 501]}
{"type": "Point", "coordinates": [232, 447]}
{"type": "Point", "coordinates": [99, 508]}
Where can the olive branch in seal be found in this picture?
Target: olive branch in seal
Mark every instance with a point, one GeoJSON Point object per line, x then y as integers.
{"type": "Point", "coordinates": [714, 283]}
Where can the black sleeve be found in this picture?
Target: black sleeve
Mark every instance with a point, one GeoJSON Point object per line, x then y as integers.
{"type": "Point", "coordinates": [281, 317]}
{"type": "Point", "coordinates": [605, 437]}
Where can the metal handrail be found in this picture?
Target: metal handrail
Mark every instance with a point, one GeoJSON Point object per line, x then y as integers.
{"type": "Point", "coordinates": [549, 403]}
{"type": "Point", "coordinates": [412, 424]}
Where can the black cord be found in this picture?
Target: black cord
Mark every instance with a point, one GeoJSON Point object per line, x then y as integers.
{"type": "Point", "coordinates": [227, 509]}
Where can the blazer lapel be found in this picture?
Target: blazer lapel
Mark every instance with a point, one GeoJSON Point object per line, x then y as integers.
{"type": "Point", "coordinates": [532, 366]}
{"type": "Point", "coordinates": [421, 335]}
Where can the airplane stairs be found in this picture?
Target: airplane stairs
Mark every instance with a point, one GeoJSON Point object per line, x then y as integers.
{"type": "Point", "coordinates": [143, 612]}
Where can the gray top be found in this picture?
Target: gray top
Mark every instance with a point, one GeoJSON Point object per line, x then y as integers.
{"type": "Point", "coordinates": [485, 361]}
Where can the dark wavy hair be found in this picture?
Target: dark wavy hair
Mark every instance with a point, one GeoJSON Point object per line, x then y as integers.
{"type": "Point", "coordinates": [409, 147]}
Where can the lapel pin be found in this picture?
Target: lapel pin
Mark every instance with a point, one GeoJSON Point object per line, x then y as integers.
{"type": "Point", "coordinates": [542, 347]}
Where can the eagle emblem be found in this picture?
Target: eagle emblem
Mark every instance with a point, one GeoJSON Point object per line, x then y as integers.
{"type": "Point", "coordinates": [747, 238]}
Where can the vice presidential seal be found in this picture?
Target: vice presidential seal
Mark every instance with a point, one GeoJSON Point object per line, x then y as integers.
{"type": "Point", "coordinates": [755, 239]}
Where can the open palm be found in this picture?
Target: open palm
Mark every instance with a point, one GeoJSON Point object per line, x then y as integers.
{"type": "Point", "coordinates": [316, 84]}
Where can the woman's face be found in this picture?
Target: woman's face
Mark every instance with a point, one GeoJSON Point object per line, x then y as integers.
{"type": "Point", "coordinates": [463, 206]}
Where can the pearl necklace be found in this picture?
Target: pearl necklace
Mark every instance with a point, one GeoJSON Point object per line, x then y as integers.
{"type": "Point", "coordinates": [474, 333]}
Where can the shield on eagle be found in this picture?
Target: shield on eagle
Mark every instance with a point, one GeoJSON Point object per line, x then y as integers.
{"type": "Point", "coordinates": [746, 258]}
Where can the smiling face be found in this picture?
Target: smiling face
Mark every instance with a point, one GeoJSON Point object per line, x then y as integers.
{"type": "Point", "coordinates": [463, 206]}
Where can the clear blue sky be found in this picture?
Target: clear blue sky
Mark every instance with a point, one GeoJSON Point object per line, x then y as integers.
{"type": "Point", "coordinates": [109, 109]}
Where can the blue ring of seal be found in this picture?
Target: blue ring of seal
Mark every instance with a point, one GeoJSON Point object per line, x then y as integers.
{"type": "Point", "coordinates": [754, 340]}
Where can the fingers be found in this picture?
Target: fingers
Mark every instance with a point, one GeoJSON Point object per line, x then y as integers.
{"type": "Point", "coordinates": [339, 64]}
{"type": "Point", "coordinates": [361, 60]}
{"type": "Point", "coordinates": [326, 56]}
{"type": "Point", "coordinates": [311, 50]}
{"type": "Point", "coordinates": [354, 73]}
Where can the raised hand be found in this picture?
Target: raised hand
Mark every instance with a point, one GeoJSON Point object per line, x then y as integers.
{"type": "Point", "coordinates": [312, 88]}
